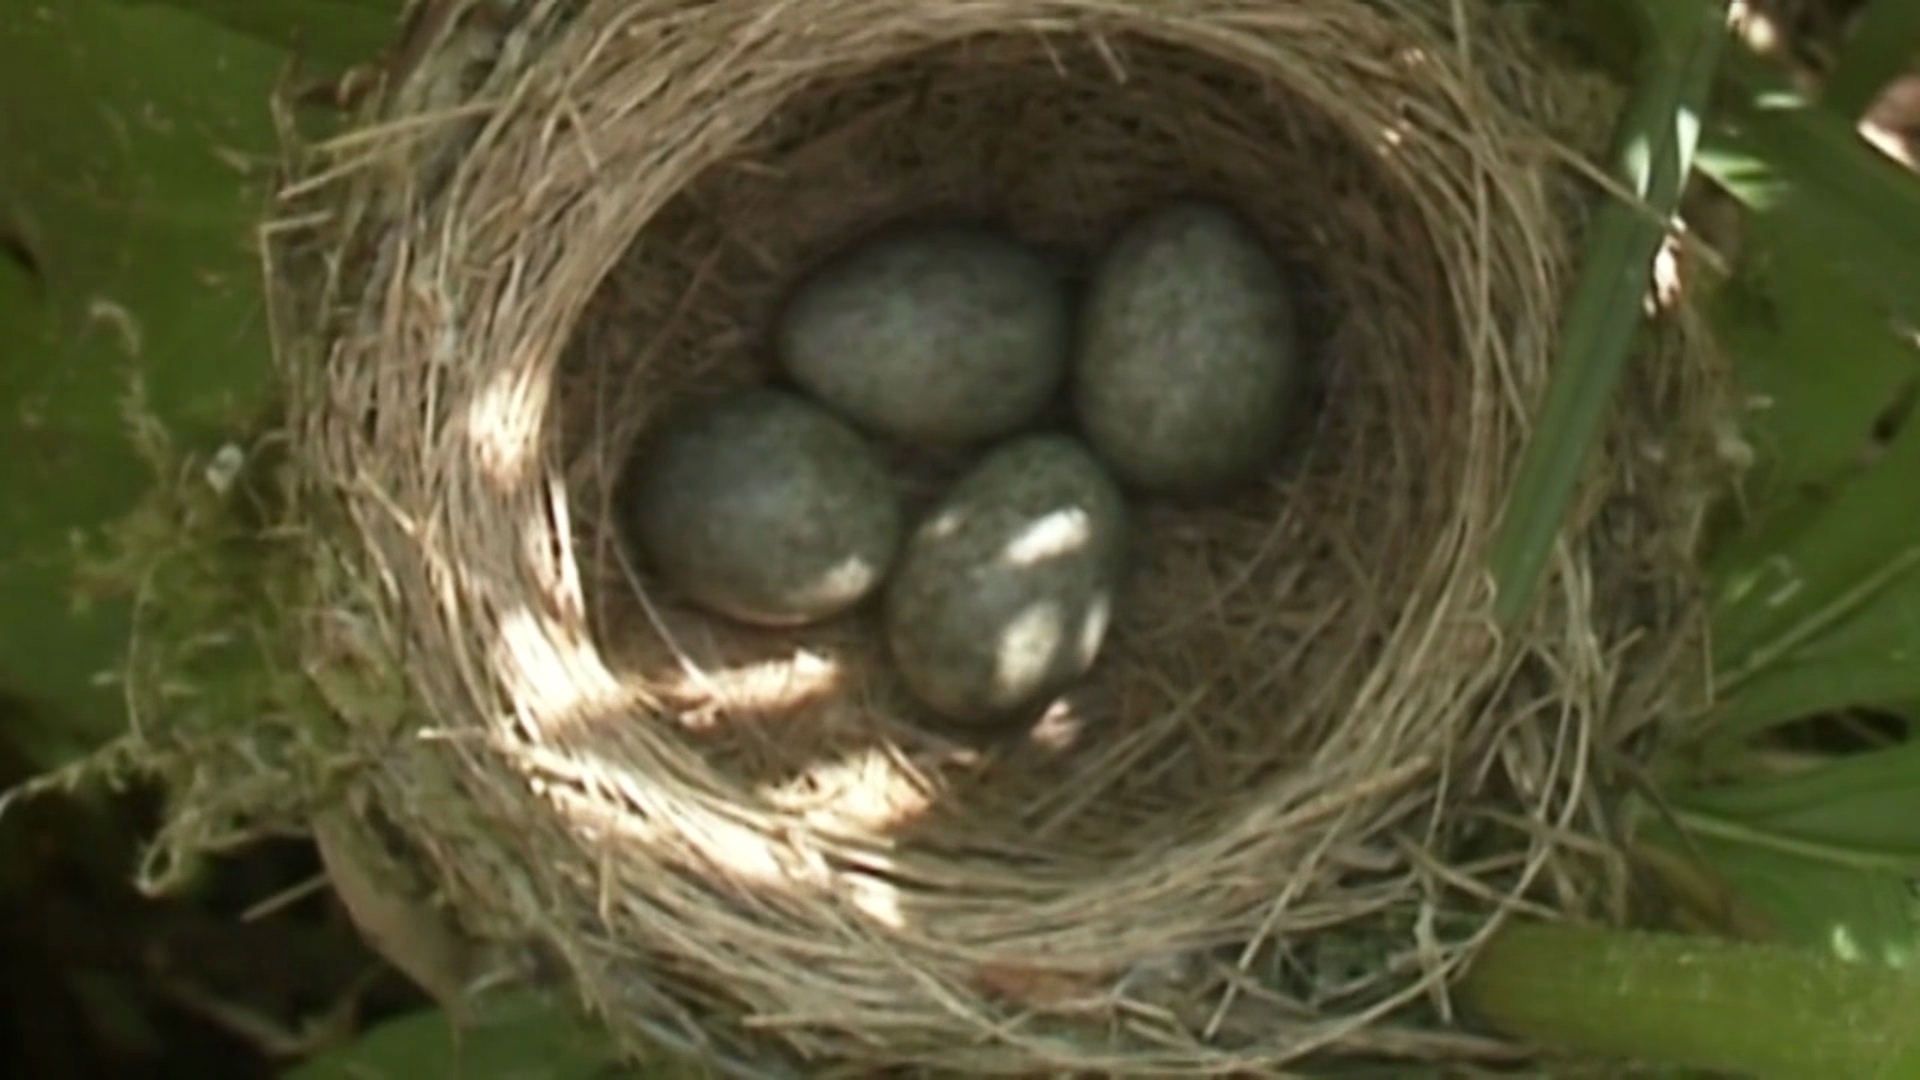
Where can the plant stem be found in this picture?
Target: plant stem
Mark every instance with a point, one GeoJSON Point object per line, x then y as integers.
{"type": "Point", "coordinates": [1765, 1011]}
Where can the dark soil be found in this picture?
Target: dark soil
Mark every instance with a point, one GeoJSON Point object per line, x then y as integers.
{"type": "Point", "coordinates": [101, 982]}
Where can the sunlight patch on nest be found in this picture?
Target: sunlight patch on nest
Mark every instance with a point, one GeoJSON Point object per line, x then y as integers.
{"type": "Point", "coordinates": [763, 686]}
{"type": "Point", "coordinates": [557, 676]}
{"type": "Point", "coordinates": [870, 791]}
{"type": "Point", "coordinates": [1059, 729]}
{"type": "Point", "coordinates": [603, 801]}
{"type": "Point", "coordinates": [875, 897]}
{"type": "Point", "coordinates": [725, 850]}
{"type": "Point", "coordinates": [504, 424]}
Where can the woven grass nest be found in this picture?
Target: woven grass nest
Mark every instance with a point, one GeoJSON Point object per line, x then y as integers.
{"type": "Point", "coordinates": [1309, 773]}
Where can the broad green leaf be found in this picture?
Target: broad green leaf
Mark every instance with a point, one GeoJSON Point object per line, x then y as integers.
{"type": "Point", "coordinates": [1865, 808]}
{"type": "Point", "coordinates": [1817, 359]}
{"type": "Point", "coordinates": [1866, 658]}
{"type": "Point", "coordinates": [1817, 603]}
{"type": "Point", "coordinates": [1830, 858]}
{"type": "Point", "coordinates": [1766, 1011]}
{"type": "Point", "coordinates": [1820, 602]}
{"type": "Point", "coordinates": [137, 142]}
{"type": "Point", "coordinates": [1852, 912]}
{"type": "Point", "coordinates": [1821, 610]}
{"type": "Point", "coordinates": [524, 1037]}
{"type": "Point", "coordinates": [1653, 154]}
{"type": "Point", "coordinates": [1883, 43]}
{"type": "Point", "coordinates": [1779, 153]}
{"type": "Point", "coordinates": [330, 35]}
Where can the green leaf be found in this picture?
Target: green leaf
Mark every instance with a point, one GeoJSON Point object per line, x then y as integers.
{"type": "Point", "coordinates": [1866, 658]}
{"type": "Point", "coordinates": [1816, 357]}
{"type": "Point", "coordinates": [1779, 153]}
{"type": "Point", "coordinates": [1821, 610]}
{"type": "Point", "coordinates": [523, 1037]}
{"type": "Point", "coordinates": [1865, 808]}
{"type": "Point", "coordinates": [138, 142]}
{"type": "Point", "coordinates": [1883, 43]}
{"type": "Point", "coordinates": [1830, 858]}
{"type": "Point", "coordinates": [1765, 1011]}
{"type": "Point", "coordinates": [1653, 156]}
{"type": "Point", "coordinates": [1852, 912]}
{"type": "Point", "coordinates": [1818, 603]}
{"type": "Point", "coordinates": [330, 34]}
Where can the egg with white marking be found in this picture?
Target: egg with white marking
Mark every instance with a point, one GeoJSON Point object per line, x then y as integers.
{"type": "Point", "coordinates": [1003, 593]}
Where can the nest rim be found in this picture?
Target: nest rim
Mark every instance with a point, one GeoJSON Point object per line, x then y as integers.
{"type": "Point", "coordinates": [347, 396]}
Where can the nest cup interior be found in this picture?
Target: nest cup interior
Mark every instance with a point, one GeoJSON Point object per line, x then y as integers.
{"type": "Point", "coordinates": [1299, 675]}
{"type": "Point", "coordinates": [1246, 620]}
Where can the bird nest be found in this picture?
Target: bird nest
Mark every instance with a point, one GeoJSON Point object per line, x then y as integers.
{"type": "Point", "coordinates": [1309, 771]}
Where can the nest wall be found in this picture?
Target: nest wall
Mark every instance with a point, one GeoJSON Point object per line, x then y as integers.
{"type": "Point", "coordinates": [1308, 772]}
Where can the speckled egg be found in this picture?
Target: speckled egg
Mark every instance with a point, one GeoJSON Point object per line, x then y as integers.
{"type": "Point", "coordinates": [933, 333]}
{"type": "Point", "coordinates": [1185, 371]}
{"type": "Point", "coordinates": [1003, 593]}
{"type": "Point", "coordinates": [764, 507]}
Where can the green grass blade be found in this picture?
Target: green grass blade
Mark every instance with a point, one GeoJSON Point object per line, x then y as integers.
{"type": "Point", "coordinates": [1764, 1011]}
{"type": "Point", "coordinates": [1884, 43]}
{"type": "Point", "coordinates": [1653, 155]}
